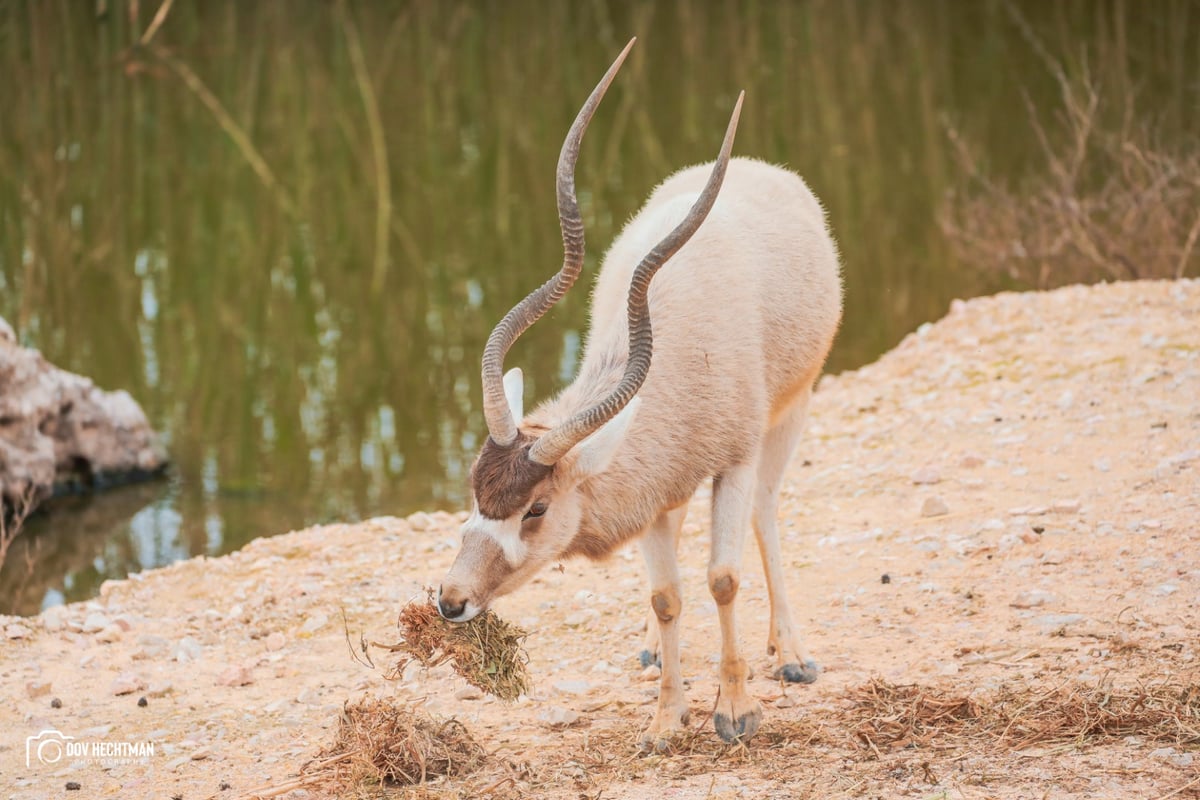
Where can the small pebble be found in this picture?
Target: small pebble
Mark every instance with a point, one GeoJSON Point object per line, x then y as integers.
{"type": "Point", "coordinates": [1027, 511]}
{"type": "Point", "coordinates": [95, 622]}
{"type": "Point", "coordinates": [558, 717]}
{"type": "Point", "coordinates": [651, 673]}
{"type": "Point", "coordinates": [54, 619]}
{"type": "Point", "coordinates": [420, 521]}
{"type": "Point", "coordinates": [110, 634]}
{"type": "Point", "coordinates": [1032, 599]}
{"type": "Point", "coordinates": [276, 641]}
{"type": "Point", "coordinates": [597, 703]}
{"type": "Point", "coordinates": [926, 476]}
{"type": "Point", "coordinates": [143, 702]}
{"type": "Point", "coordinates": [56, 703]}
{"type": "Point", "coordinates": [572, 687]}
{"type": "Point", "coordinates": [885, 578]}
{"type": "Point", "coordinates": [1065, 506]}
{"type": "Point", "coordinates": [235, 675]}
{"type": "Point", "coordinates": [73, 786]}
{"type": "Point", "coordinates": [468, 693]}
{"type": "Point", "coordinates": [187, 650]}
{"type": "Point", "coordinates": [151, 646]}
{"type": "Point", "coordinates": [127, 683]}
{"type": "Point", "coordinates": [934, 506]}
{"type": "Point", "coordinates": [16, 630]}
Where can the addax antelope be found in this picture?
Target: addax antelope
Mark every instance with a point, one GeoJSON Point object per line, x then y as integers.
{"type": "Point", "coordinates": [744, 294]}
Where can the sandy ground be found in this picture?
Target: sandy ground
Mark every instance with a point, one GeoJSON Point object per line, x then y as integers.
{"type": "Point", "coordinates": [1026, 472]}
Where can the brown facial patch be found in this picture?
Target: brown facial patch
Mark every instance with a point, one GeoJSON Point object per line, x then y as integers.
{"type": "Point", "coordinates": [503, 478]}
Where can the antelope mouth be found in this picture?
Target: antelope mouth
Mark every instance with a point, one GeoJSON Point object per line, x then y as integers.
{"type": "Point", "coordinates": [457, 610]}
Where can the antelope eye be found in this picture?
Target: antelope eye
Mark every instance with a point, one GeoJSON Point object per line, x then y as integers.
{"type": "Point", "coordinates": [535, 510]}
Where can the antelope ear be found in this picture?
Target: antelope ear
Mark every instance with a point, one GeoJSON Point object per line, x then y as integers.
{"type": "Point", "coordinates": [514, 389]}
{"type": "Point", "coordinates": [593, 455]}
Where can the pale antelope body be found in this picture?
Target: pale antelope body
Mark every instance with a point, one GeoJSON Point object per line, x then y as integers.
{"type": "Point", "coordinates": [743, 316]}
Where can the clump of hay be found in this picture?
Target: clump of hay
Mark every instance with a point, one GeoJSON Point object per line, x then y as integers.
{"type": "Point", "coordinates": [382, 741]}
{"type": "Point", "coordinates": [485, 651]}
{"type": "Point", "coordinates": [899, 716]}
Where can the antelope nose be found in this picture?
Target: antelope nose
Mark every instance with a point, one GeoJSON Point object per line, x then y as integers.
{"type": "Point", "coordinates": [450, 605]}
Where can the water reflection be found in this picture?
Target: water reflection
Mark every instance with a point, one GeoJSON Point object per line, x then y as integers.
{"type": "Point", "coordinates": [307, 363]}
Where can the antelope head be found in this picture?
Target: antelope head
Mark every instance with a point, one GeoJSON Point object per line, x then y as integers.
{"type": "Point", "coordinates": [527, 502]}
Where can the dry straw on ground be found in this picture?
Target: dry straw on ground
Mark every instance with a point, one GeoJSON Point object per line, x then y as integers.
{"type": "Point", "coordinates": [382, 741]}
{"type": "Point", "coordinates": [485, 651]}
{"type": "Point", "coordinates": [900, 716]}
{"type": "Point", "coordinates": [878, 727]}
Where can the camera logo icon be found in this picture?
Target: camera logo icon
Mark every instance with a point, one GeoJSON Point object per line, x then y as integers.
{"type": "Point", "coordinates": [48, 748]}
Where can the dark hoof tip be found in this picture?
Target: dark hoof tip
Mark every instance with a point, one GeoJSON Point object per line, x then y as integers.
{"type": "Point", "coordinates": [647, 659]}
{"type": "Point", "coordinates": [747, 726]}
{"type": "Point", "coordinates": [796, 673]}
{"type": "Point", "coordinates": [660, 744]}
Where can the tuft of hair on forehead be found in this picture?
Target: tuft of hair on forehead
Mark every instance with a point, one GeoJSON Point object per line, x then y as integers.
{"type": "Point", "coordinates": [503, 477]}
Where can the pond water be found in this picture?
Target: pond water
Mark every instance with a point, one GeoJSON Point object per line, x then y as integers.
{"type": "Point", "coordinates": [287, 228]}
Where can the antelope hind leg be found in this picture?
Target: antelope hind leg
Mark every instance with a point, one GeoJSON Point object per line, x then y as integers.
{"type": "Point", "coordinates": [792, 661]}
{"type": "Point", "coordinates": [738, 714]}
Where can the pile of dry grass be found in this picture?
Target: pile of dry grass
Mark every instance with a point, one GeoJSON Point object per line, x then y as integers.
{"type": "Point", "coordinates": [876, 727]}
{"type": "Point", "coordinates": [485, 651]}
{"type": "Point", "coordinates": [900, 716]}
{"type": "Point", "coordinates": [381, 741]}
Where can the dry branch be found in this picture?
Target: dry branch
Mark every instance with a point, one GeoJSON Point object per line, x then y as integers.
{"type": "Point", "coordinates": [1109, 203]}
{"type": "Point", "coordinates": [12, 520]}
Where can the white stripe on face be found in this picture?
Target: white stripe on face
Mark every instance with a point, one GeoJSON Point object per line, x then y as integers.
{"type": "Point", "coordinates": [504, 532]}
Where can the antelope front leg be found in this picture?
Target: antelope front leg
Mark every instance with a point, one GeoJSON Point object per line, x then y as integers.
{"type": "Point", "coordinates": [658, 548]}
{"type": "Point", "coordinates": [738, 715]}
{"type": "Point", "coordinates": [649, 652]}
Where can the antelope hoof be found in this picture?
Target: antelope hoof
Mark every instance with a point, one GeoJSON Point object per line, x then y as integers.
{"type": "Point", "coordinates": [662, 742]}
{"type": "Point", "coordinates": [648, 658]}
{"type": "Point", "coordinates": [665, 732]}
{"type": "Point", "coordinates": [741, 729]}
{"type": "Point", "coordinates": [798, 673]}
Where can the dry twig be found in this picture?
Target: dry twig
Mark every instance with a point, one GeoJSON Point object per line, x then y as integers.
{"type": "Point", "coordinates": [1111, 203]}
{"type": "Point", "coordinates": [13, 520]}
